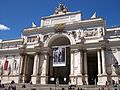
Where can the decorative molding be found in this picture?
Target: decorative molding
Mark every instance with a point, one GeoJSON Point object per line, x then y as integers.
{"type": "Point", "coordinates": [59, 28]}
{"type": "Point", "coordinates": [45, 38]}
{"type": "Point", "coordinates": [74, 34]}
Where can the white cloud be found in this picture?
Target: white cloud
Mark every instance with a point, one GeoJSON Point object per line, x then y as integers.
{"type": "Point", "coordinates": [3, 27]}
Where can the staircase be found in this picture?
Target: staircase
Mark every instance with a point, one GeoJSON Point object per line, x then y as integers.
{"type": "Point", "coordinates": [58, 87]}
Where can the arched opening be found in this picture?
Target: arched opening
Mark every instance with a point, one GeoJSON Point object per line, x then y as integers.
{"type": "Point", "coordinates": [59, 60]}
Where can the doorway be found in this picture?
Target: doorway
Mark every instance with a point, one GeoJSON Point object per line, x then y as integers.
{"type": "Point", "coordinates": [60, 71]}
{"type": "Point", "coordinates": [92, 67]}
{"type": "Point", "coordinates": [29, 68]}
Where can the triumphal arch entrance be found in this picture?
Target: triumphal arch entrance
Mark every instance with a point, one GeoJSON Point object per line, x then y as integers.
{"type": "Point", "coordinates": [59, 60]}
{"type": "Point", "coordinates": [64, 48]}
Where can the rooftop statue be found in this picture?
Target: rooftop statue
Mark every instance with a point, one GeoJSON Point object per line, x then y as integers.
{"type": "Point", "coordinates": [61, 9]}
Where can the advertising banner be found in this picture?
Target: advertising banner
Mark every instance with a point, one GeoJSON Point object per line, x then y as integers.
{"type": "Point", "coordinates": [59, 56]}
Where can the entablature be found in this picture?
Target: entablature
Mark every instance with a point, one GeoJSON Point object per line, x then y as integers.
{"type": "Point", "coordinates": [98, 22]}
{"type": "Point", "coordinates": [11, 44]}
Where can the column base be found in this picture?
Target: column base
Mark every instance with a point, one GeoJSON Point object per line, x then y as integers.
{"type": "Point", "coordinates": [43, 79]}
{"type": "Point", "coordinates": [73, 79]}
{"type": "Point", "coordinates": [115, 77]}
{"type": "Point", "coordinates": [20, 78]}
{"type": "Point", "coordinates": [85, 79]}
{"type": "Point", "coordinates": [79, 80]}
{"type": "Point", "coordinates": [102, 79]}
{"type": "Point", "coordinates": [35, 79]}
{"type": "Point", "coordinates": [24, 77]}
{"type": "Point", "coordinates": [8, 79]}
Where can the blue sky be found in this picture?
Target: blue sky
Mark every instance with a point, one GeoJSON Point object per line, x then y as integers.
{"type": "Point", "coordinates": [15, 15]}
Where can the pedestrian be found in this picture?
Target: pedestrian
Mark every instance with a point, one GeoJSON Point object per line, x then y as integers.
{"type": "Point", "coordinates": [30, 82]}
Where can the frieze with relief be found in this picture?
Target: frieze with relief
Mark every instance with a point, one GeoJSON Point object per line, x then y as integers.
{"type": "Point", "coordinates": [90, 33]}
{"type": "Point", "coordinates": [75, 34]}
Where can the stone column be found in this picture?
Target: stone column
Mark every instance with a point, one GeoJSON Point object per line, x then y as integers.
{"type": "Point", "coordinates": [72, 76]}
{"type": "Point", "coordinates": [25, 68]}
{"type": "Point", "coordinates": [72, 61]}
{"type": "Point", "coordinates": [79, 77]}
{"type": "Point", "coordinates": [103, 61]}
{"type": "Point", "coordinates": [99, 68]}
{"type": "Point", "coordinates": [103, 77]}
{"type": "Point", "coordinates": [99, 62]}
{"type": "Point", "coordinates": [35, 77]}
{"type": "Point", "coordinates": [21, 68]}
{"type": "Point", "coordinates": [85, 68]}
{"type": "Point", "coordinates": [44, 74]}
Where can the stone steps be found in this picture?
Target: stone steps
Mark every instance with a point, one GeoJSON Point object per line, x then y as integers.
{"type": "Point", "coordinates": [58, 87]}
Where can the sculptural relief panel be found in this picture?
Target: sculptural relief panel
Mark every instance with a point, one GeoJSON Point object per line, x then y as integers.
{"type": "Point", "coordinates": [76, 34]}
{"type": "Point", "coordinates": [90, 33]}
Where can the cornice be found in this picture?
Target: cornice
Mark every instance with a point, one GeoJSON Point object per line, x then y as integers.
{"type": "Point", "coordinates": [12, 41]}
{"type": "Point", "coordinates": [67, 26]}
{"type": "Point", "coordinates": [59, 15]}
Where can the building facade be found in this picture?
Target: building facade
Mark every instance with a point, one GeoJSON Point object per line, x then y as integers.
{"type": "Point", "coordinates": [63, 47]}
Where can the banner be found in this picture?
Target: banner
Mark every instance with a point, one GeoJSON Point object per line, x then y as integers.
{"type": "Point", "coordinates": [6, 65]}
{"type": "Point", "coordinates": [59, 56]}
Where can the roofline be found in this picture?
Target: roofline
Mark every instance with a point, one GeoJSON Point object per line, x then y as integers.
{"type": "Point", "coordinates": [69, 13]}
{"type": "Point", "coordinates": [113, 28]}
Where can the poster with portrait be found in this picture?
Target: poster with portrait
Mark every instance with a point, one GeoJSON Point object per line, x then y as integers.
{"type": "Point", "coordinates": [59, 56]}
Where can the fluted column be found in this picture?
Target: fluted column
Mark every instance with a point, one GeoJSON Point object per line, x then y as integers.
{"type": "Point", "coordinates": [99, 62]}
{"type": "Point", "coordinates": [35, 76]}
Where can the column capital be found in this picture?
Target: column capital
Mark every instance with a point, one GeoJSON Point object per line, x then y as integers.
{"type": "Point", "coordinates": [73, 50]}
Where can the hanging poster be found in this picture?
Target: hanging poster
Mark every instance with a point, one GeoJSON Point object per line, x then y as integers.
{"type": "Point", "coordinates": [59, 56]}
{"type": "Point", "coordinates": [6, 65]}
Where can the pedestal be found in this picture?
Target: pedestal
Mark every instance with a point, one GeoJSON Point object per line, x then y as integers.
{"type": "Point", "coordinates": [44, 79]}
{"type": "Point", "coordinates": [115, 77]}
{"type": "Point", "coordinates": [85, 79]}
{"type": "Point", "coordinates": [24, 78]}
{"type": "Point", "coordinates": [79, 80]}
{"type": "Point", "coordinates": [20, 78]}
{"type": "Point", "coordinates": [102, 79]}
{"type": "Point", "coordinates": [35, 79]}
{"type": "Point", "coordinates": [73, 79]}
